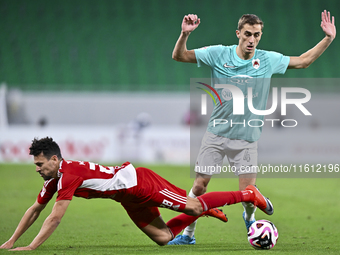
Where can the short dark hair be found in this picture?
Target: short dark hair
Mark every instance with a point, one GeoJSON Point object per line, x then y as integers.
{"type": "Point", "coordinates": [250, 19]}
{"type": "Point", "coordinates": [46, 146]}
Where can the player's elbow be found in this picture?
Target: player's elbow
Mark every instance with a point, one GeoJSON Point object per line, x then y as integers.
{"type": "Point", "coordinates": [176, 57]}
{"type": "Point", "coordinates": [305, 62]}
{"type": "Point", "coordinates": [307, 65]}
{"type": "Point", "coordinates": [186, 56]}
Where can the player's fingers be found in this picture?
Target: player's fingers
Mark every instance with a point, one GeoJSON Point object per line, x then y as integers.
{"type": "Point", "coordinates": [333, 20]}
{"type": "Point", "coordinates": [187, 19]}
{"type": "Point", "coordinates": [198, 21]}
{"type": "Point", "coordinates": [324, 16]}
{"type": "Point", "coordinates": [329, 17]}
{"type": "Point", "coordinates": [193, 17]}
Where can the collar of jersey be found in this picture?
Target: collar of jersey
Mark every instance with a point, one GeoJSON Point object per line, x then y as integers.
{"type": "Point", "coordinates": [240, 60]}
{"type": "Point", "coordinates": [60, 165]}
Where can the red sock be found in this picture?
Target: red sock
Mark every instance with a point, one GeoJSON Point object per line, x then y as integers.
{"type": "Point", "coordinates": [217, 199]}
{"type": "Point", "coordinates": [178, 223]}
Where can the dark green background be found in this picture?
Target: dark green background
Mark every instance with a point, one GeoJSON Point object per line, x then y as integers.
{"type": "Point", "coordinates": [126, 45]}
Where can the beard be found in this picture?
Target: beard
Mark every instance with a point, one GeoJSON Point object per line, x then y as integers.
{"type": "Point", "coordinates": [45, 177]}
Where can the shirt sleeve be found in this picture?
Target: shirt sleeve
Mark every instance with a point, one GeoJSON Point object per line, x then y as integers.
{"type": "Point", "coordinates": [279, 63]}
{"type": "Point", "coordinates": [208, 55]}
{"type": "Point", "coordinates": [67, 185]}
{"type": "Point", "coordinates": [47, 192]}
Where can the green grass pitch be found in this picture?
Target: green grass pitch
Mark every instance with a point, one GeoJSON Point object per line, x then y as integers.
{"type": "Point", "coordinates": [307, 215]}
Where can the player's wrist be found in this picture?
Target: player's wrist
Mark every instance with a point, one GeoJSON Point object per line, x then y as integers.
{"type": "Point", "coordinates": [185, 33]}
{"type": "Point", "coordinates": [11, 241]}
{"type": "Point", "coordinates": [32, 247]}
{"type": "Point", "coordinates": [330, 37]}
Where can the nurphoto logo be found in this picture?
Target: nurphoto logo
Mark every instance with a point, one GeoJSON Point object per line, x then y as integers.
{"type": "Point", "coordinates": [239, 101]}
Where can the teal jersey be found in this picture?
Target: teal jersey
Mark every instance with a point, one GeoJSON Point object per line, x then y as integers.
{"type": "Point", "coordinates": [228, 68]}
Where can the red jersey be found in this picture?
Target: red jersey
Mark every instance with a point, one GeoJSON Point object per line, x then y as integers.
{"type": "Point", "coordinates": [88, 180]}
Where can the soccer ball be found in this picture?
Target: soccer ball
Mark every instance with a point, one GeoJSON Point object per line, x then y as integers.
{"type": "Point", "coordinates": [262, 235]}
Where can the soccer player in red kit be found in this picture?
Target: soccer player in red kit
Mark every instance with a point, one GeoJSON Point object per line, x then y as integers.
{"type": "Point", "coordinates": [140, 191]}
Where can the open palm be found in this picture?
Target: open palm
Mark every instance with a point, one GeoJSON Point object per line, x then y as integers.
{"type": "Point", "coordinates": [328, 25]}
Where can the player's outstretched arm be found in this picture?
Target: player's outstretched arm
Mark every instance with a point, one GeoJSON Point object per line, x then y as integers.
{"type": "Point", "coordinates": [181, 53]}
{"type": "Point", "coordinates": [307, 58]}
{"type": "Point", "coordinates": [49, 225]}
{"type": "Point", "coordinates": [26, 221]}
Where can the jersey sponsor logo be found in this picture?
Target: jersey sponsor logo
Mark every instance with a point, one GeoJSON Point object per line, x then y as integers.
{"type": "Point", "coordinates": [228, 66]}
{"type": "Point", "coordinates": [241, 79]}
{"type": "Point", "coordinates": [226, 94]}
{"type": "Point", "coordinates": [256, 63]}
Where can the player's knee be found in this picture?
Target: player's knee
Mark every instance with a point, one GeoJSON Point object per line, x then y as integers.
{"type": "Point", "coordinates": [161, 243]}
{"type": "Point", "coordinates": [163, 240]}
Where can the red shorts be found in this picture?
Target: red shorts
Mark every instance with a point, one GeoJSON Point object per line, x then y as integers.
{"type": "Point", "coordinates": [152, 191]}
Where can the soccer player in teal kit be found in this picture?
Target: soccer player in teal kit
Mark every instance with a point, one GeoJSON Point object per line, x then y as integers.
{"type": "Point", "coordinates": [240, 62]}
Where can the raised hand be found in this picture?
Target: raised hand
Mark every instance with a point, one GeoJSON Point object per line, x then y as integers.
{"type": "Point", "coordinates": [190, 22]}
{"type": "Point", "coordinates": [328, 25]}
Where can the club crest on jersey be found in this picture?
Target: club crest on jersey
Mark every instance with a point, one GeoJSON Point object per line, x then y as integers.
{"type": "Point", "coordinates": [256, 63]}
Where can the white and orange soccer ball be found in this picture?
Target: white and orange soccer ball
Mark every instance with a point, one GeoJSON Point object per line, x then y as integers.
{"type": "Point", "coordinates": [263, 235]}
